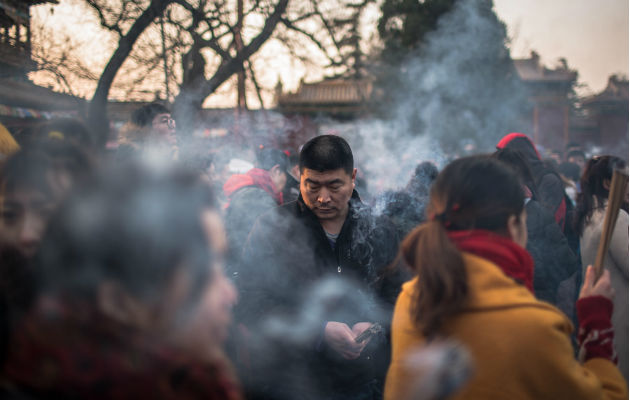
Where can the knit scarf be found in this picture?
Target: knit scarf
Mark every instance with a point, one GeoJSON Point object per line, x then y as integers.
{"type": "Point", "coordinates": [254, 177]}
{"type": "Point", "coordinates": [513, 260]}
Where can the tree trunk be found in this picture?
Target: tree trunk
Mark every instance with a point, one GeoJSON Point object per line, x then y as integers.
{"type": "Point", "coordinates": [97, 111]}
{"type": "Point", "coordinates": [189, 100]}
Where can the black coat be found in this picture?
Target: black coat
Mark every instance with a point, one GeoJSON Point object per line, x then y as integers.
{"type": "Point", "coordinates": [554, 261]}
{"type": "Point", "coordinates": [292, 273]}
{"type": "Point", "coordinates": [246, 204]}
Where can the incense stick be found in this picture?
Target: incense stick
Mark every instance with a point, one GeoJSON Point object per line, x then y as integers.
{"type": "Point", "coordinates": [616, 195]}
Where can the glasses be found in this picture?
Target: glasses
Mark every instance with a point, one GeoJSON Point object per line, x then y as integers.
{"type": "Point", "coordinates": [168, 121]}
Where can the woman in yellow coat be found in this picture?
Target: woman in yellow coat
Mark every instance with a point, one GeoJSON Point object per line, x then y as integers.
{"type": "Point", "coordinates": [474, 286]}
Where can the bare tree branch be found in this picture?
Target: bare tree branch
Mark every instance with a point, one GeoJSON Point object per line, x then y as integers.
{"type": "Point", "coordinates": [97, 113]}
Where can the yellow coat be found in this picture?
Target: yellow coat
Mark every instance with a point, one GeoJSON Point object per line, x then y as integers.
{"type": "Point", "coordinates": [520, 346]}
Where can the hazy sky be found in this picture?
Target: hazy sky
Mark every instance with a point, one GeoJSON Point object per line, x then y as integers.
{"type": "Point", "coordinates": [591, 35]}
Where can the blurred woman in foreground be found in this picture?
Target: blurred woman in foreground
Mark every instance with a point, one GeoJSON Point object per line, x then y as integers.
{"type": "Point", "coordinates": [133, 301]}
{"type": "Point", "coordinates": [474, 285]}
{"type": "Point", "coordinates": [33, 183]}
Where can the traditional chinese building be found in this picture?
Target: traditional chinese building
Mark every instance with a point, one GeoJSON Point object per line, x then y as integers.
{"type": "Point", "coordinates": [547, 117]}
{"type": "Point", "coordinates": [337, 98]}
{"type": "Point", "coordinates": [549, 92]}
{"type": "Point", "coordinates": [22, 103]}
{"type": "Point", "coordinates": [15, 37]}
{"type": "Point", "coordinates": [608, 114]}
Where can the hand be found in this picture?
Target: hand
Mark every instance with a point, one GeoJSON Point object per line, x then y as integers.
{"type": "Point", "coordinates": [340, 338]}
{"type": "Point", "coordinates": [600, 288]}
{"type": "Point", "coordinates": [358, 329]}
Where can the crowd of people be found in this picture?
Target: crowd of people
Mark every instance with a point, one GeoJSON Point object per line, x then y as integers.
{"type": "Point", "coordinates": [150, 270]}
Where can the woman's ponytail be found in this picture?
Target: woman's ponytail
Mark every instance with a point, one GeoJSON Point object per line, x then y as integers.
{"type": "Point", "coordinates": [442, 286]}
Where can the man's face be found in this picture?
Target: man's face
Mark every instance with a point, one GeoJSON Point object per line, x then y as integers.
{"type": "Point", "coordinates": [577, 159]}
{"type": "Point", "coordinates": [327, 193]}
{"type": "Point", "coordinates": [163, 127]}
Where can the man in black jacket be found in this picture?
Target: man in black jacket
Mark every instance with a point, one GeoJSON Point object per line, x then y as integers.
{"type": "Point", "coordinates": [315, 278]}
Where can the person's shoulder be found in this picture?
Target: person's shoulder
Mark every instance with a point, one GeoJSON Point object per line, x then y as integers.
{"type": "Point", "coordinates": [535, 320]}
{"type": "Point", "coordinates": [550, 177]}
{"type": "Point", "coordinates": [249, 193]}
{"type": "Point", "coordinates": [622, 219]}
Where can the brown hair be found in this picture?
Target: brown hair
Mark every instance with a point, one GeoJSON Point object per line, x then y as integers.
{"type": "Point", "coordinates": [594, 195]}
{"type": "Point", "coordinates": [470, 193]}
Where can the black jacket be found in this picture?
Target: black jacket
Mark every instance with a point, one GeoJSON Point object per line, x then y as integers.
{"type": "Point", "coordinates": [246, 204]}
{"type": "Point", "coordinates": [293, 276]}
{"type": "Point", "coordinates": [554, 261]}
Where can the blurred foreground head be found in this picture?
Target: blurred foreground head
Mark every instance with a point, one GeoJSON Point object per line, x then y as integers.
{"type": "Point", "coordinates": [144, 247]}
{"type": "Point", "coordinates": [33, 182]}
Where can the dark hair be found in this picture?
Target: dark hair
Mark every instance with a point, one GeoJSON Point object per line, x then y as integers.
{"type": "Point", "coordinates": [130, 225]}
{"type": "Point", "coordinates": [267, 158]}
{"type": "Point", "coordinates": [327, 153]}
{"type": "Point", "coordinates": [424, 175]}
{"type": "Point", "coordinates": [144, 115]}
{"type": "Point", "coordinates": [31, 167]}
{"type": "Point", "coordinates": [594, 194]}
{"type": "Point", "coordinates": [517, 162]}
{"type": "Point", "coordinates": [476, 192]}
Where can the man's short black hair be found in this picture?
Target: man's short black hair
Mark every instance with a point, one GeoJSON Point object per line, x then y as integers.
{"type": "Point", "coordinates": [144, 115]}
{"type": "Point", "coordinates": [327, 153]}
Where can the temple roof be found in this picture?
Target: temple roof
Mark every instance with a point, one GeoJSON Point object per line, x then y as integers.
{"type": "Point", "coordinates": [335, 91]}
{"type": "Point", "coordinates": [615, 91]}
{"type": "Point", "coordinates": [531, 70]}
{"type": "Point", "coordinates": [26, 94]}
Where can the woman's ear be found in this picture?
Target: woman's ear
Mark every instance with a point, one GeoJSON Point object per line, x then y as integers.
{"type": "Point", "coordinates": [114, 301]}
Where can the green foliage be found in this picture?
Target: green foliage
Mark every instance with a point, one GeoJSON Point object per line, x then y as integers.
{"type": "Point", "coordinates": [405, 23]}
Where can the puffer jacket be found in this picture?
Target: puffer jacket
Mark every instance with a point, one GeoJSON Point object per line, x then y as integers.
{"type": "Point", "coordinates": [520, 346]}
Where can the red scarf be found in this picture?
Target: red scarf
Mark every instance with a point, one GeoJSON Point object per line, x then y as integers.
{"type": "Point", "coordinates": [513, 260]}
{"type": "Point", "coordinates": [254, 177]}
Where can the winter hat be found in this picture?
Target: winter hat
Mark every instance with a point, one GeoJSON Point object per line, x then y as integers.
{"type": "Point", "coordinates": [520, 142]}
